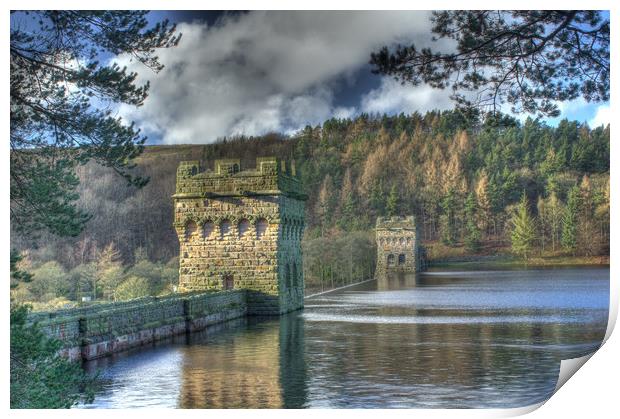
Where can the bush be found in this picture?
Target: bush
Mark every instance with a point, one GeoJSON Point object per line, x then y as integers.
{"type": "Point", "coordinates": [159, 277]}
{"type": "Point", "coordinates": [133, 287]}
{"type": "Point", "coordinates": [49, 281]}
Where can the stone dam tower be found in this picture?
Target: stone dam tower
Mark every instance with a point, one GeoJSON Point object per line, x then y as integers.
{"type": "Point", "coordinates": [398, 249]}
{"type": "Point", "coordinates": [241, 228]}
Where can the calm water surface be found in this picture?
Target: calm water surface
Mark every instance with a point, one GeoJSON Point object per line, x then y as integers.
{"type": "Point", "coordinates": [440, 339]}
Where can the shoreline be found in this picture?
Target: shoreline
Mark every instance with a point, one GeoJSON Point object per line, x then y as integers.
{"type": "Point", "coordinates": [511, 261]}
{"type": "Point", "coordinates": [500, 261]}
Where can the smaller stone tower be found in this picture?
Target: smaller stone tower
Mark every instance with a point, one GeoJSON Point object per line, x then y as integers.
{"type": "Point", "coordinates": [398, 249]}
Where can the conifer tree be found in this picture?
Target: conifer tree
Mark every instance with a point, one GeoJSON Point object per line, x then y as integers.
{"type": "Point", "coordinates": [376, 200]}
{"type": "Point", "coordinates": [40, 377]}
{"type": "Point", "coordinates": [570, 220]}
{"type": "Point", "coordinates": [391, 205]}
{"type": "Point", "coordinates": [483, 202]}
{"type": "Point", "coordinates": [347, 202]}
{"type": "Point", "coordinates": [472, 232]}
{"type": "Point", "coordinates": [523, 230]}
{"type": "Point", "coordinates": [446, 220]}
{"type": "Point", "coordinates": [586, 216]}
{"type": "Point", "coordinates": [601, 211]}
{"type": "Point", "coordinates": [324, 204]}
{"type": "Point", "coordinates": [551, 164]}
{"type": "Point", "coordinates": [554, 214]}
{"type": "Point", "coordinates": [541, 206]}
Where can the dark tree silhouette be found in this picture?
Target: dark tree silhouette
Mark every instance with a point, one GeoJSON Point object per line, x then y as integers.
{"type": "Point", "coordinates": [529, 59]}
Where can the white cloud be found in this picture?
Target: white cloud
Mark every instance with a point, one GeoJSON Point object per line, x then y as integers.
{"type": "Point", "coordinates": [265, 71]}
{"type": "Point", "coordinates": [342, 112]}
{"type": "Point", "coordinates": [580, 110]}
{"type": "Point", "coordinates": [392, 97]}
{"type": "Point", "coordinates": [602, 117]}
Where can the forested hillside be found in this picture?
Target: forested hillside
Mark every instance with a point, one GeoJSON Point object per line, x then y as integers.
{"type": "Point", "coordinates": [465, 178]}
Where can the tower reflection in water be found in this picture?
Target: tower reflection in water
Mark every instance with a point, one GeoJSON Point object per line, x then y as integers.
{"type": "Point", "coordinates": [260, 365]}
{"type": "Point", "coordinates": [397, 280]}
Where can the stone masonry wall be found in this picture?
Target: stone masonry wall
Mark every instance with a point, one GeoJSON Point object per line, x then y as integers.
{"type": "Point", "coordinates": [289, 254]}
{"type": "Point", "coordinates": [242, 229]}
{"type": "Point", "coordinates": [397, 245]}
{"type": "Point", "coordinates": [102, 330]}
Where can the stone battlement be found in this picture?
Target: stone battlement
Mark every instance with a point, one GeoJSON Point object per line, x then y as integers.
{"type": "Point", "coordinates": [271, 176]}
{"type": "Point", "coordinates": [396, 222]}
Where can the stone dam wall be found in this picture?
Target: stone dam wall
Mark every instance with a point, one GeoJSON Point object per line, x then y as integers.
{"type": "Point", "coordinates": [99, 330]}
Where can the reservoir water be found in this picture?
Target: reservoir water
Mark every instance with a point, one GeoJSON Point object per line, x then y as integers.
{"type": "Point", "coordinates": [445, 339]}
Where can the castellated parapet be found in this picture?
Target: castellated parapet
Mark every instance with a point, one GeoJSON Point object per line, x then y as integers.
{"type": "Point", "coordinates": [241, 228]}
{"type": "Point", "coordinates": [398, 249]}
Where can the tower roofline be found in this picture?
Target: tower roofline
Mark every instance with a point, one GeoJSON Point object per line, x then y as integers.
{"type": "Point", "coordinates": [270, 176]}
{"type": "Point", "coordinates": [396, 222]}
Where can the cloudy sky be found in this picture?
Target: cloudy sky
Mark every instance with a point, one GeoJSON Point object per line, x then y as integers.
{"type": "Point", "coordinates": [257, 72]}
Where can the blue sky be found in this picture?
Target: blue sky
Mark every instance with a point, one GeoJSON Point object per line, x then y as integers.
{"type": "Point", "coordinates": [255, 72]}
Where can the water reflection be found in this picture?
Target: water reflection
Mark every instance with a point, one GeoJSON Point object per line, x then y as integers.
{"type": "Point", "coordinates": [261, 366]}
{"type": "Point", "coordinates": [442, 339]}
{"type": "Point", "coordinates": [233, 369]}
{"type": "Point", "coordinates": [397, 281]}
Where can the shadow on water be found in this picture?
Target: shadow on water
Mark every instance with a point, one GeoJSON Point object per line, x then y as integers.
{"type": "Point", "coordinates": [439, 339]}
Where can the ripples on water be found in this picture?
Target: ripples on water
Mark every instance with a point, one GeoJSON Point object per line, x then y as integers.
{"type": "Point", "coordinates": [440, 339]}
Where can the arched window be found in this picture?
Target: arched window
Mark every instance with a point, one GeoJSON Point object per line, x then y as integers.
{"type": "Point", "coordinates": [224, 228]}
{"type": "Point", "coordinates": [401, 259]}
{"type": "Point", "coordinates": [190, 229]}
{"type": "Point", "coordinates": [207, 229]}
{"type": "Point", "coordinates": [402, 241]}
{"type": "Point", "coordinates": [390, 260]}
{"type": "Point", "coordinates": [261, 228]}
{"type": "Point", "coordinates": [243, 227]}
